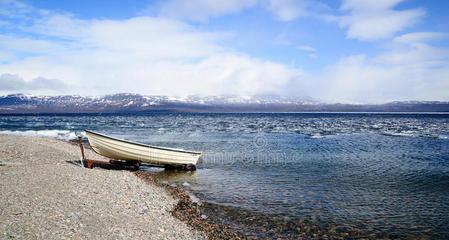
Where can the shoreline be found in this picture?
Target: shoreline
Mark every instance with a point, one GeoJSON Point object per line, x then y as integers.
{"type": "Point", "coordinates": [190, 211]}
{"type": "Point", "coordinates": [222, 222]}
{"type": "Point", "coordinates": [46, 194]}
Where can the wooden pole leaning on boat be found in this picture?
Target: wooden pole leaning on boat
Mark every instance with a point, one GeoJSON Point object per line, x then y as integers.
{"type": "Point", "coordinates": [80, 139]}
{"type": "Point", "coordinates": [86, 162]}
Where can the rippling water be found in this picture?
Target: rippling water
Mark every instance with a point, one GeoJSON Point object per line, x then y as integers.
{"type": "Point", "coordinates": [380, 173]}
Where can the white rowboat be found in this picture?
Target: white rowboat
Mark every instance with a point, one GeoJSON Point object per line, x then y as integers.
{"type": "Point", "coordinates": [120, 149]}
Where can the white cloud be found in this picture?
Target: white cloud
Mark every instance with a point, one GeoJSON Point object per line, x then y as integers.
{"type": "Point", "coordinates": [421, 37]}
{"type": "Point", "coordinates": [366, 20]}
{"type": "Point", "coordinates": [418, 54]}
{"type": "Point", "coordinates": [406, 72]}
{"type": "Point", "coordinates": [149, 55]}
{"type": "Point", "coordinates": [12, 82]}
{"type": "Point", "coordinates": [142, 37]}
{"type": "Point", "coordinates": [287, 10]}
{"type": "Point", "coordinates": [226, 73]}
{"type": "Point", "coordinates": [371, 20]}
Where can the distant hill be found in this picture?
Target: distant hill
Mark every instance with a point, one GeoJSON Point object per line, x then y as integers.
{"type": "Point", "coordinates": [125, 102]}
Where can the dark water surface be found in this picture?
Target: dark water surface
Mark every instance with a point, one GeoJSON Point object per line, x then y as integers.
{"type": "Point", "coordinates": [385, 174]}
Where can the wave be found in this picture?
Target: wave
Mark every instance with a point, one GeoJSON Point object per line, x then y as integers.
{"type": "Point", "coordinates": [56, 134]}
{"type": "Point", "coordinates": [443, 136]}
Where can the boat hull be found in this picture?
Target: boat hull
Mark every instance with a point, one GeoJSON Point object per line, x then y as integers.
{"type": "Point", "coordinates": [130, 151]}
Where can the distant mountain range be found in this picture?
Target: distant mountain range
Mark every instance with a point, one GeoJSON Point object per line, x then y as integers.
{"type": "Point", "coordinates": [125, 102]}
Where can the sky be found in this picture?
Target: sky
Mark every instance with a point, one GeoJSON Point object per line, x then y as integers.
{"type": "Point", "coordinates": [349, 51]}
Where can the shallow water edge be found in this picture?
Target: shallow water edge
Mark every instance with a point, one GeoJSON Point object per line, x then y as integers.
{"type": "Point", "coordinates": [226, 222]}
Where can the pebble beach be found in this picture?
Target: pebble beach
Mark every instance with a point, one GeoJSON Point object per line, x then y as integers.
{"type": "Point", "coordinates": [46, 194]}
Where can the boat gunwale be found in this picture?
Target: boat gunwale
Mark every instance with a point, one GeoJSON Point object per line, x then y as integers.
{"type": "Point", "coordinates": [143, 145]}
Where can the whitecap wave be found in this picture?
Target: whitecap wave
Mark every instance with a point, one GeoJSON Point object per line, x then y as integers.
{"type": "Point", "coordinates": [317, 136]}
{"type": "Point", "coordinates": [56, 134]}
{"type": "Point", "coordinates": [443, 136]}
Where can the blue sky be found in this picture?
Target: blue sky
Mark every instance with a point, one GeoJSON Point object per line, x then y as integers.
{"type": "Point", "coordinates": [356, 51]}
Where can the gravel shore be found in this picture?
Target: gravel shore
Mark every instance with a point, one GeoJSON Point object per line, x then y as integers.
{"type": "Point", "coordinates": [45, 194]}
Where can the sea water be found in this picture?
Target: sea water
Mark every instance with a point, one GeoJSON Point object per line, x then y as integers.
{"type": "Point", "coordinates": [384, 174]}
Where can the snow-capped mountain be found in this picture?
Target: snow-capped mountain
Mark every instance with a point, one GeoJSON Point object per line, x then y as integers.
{"type": "Point", "coordinates": [17, 103]}
{"type": "Point", "coordinates": [126, 102]}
